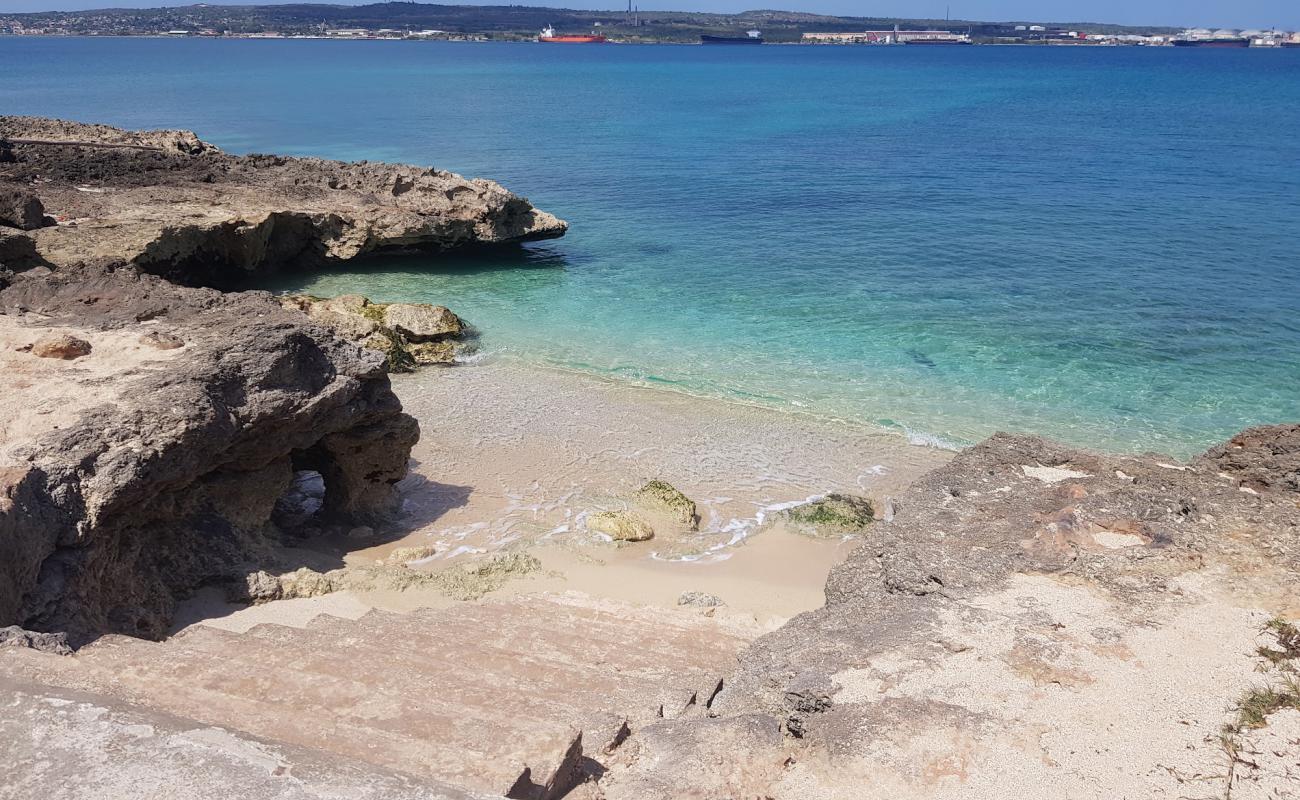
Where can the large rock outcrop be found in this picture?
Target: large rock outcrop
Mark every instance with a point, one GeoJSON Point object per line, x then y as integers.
{"type": "Point", "coordinates": [1035, 618]}
{"type": "Point", "coordinates": [152, 464]}
{"type": "Point", "coordinates": [177, 206]}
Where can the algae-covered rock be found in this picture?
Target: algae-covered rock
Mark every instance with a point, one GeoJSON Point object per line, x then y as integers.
{"type": "Point", "coordinates": [409, 335]}
{"type": "Point", "coordinates": [832, 514]}
{"type": "Point", "coordinates": [663, 498]}
{"type": "Point", "coordinates": [621, 525]}
{"type": "Point", "coordinates": [420, 322]}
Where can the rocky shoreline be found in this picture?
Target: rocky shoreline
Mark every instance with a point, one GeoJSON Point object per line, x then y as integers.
{"type": "Point", "coordinates": [1026, 617]}
{"type": "Point", "coordinates": [145, 458]}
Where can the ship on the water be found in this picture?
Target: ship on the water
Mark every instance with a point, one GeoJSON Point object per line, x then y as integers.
{"type": "Point", "coordinates": [750, 37]}
{"type": "Point", "coordinates": [1215, 42]}
{"type": "Point", "coordinates": [1204, 37]}
{"type": "Point", "coordinates": [549, 35]}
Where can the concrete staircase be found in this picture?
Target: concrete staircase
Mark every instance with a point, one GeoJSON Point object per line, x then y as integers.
{"type": "Point", "coordinates": [519, 697]}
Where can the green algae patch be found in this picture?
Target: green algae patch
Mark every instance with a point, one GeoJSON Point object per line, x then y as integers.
{"type": "Point", "coordinates": [663, 497]}
{"type": "Point", "coordinates": [831, 515]}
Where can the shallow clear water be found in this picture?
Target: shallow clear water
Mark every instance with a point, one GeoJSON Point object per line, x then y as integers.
{"type": "Point", "coordinates": [1102, 245]}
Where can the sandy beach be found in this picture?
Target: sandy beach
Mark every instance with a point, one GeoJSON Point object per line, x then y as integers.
{"type": "Point", "coordinates": [514, 457]}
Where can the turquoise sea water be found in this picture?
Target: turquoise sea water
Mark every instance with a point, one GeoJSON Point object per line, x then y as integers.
{"type": "Point", "coordinates": [1102, 245]}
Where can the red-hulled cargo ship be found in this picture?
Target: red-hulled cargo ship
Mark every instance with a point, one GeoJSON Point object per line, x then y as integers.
{"type": "Point", "coordinates": [548, 35]}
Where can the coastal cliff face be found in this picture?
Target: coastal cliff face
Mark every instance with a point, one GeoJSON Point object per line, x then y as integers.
{"type": "Point", "coordinates": [176, 206]}
{"type": "Point", "coordinates": [152, 463]}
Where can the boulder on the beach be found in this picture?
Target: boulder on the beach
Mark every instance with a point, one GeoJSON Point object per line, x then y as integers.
{"type": "Point", "coordinates": [662, 497]}
{"type": "Point", "coordinates": [20, 208]}
{"type": "Point", "coordinates": [832, 515]}
{"type": "Point", "coordinates": [61, 346]}
{"type": "Point", "coordinates": [699, 600]}
{"type": "Point", "coordinates": [622, 526]}
{"type": "Point", "coordinates": [415, 335]}
{"type": "Point", "coordinates": [421, 322]}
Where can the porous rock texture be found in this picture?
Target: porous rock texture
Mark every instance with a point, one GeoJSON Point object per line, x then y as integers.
{"type": "Point", "coordinates": [174, 205]}
{"type": "Point", "coordinates": [1034, 620]}
{"type": "Point", "coordinates": [133, 474]}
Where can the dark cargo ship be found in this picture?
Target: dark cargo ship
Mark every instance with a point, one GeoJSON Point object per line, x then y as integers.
{"type": "Point", "coordinates": [1218, 42]}
{"type": "Point", "coordinates": [750, 37]}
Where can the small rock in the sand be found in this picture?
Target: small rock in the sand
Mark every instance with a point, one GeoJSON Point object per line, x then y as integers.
{"type": "Point", "coordinates": [256, 587]}
{"type": "Point", "coordinates": [699, 600]}
{"type": "Point", "coordinates": [162, 341]}
{"type": "Point", "coordinates": [621, 526]}
{"type": "Point", "coordinates": [362, 532]}
{"type": "Point", "coordinates": [404, 555]}
{"type": "Point", "coordinates": [664, 498]}
{"type": "Point", "coordinates": [21, 208]}
{"type": "Point", "coordinates": [833, 514]}
{"type": "Point", "coordinates": [61, 346]}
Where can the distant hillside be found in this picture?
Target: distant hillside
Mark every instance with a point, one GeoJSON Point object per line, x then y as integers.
{"type": "Point", "coordinates": [496, 21]}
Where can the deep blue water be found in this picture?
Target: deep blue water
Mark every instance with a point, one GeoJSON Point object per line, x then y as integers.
{"type": "Point", "coordinates": [1102, 245]}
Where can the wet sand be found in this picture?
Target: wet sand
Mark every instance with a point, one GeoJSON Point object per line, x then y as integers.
{"type": "Point", "coordinates": [517, 456]}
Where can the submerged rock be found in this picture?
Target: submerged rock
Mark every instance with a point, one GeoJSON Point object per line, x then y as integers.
{"type": "Point", "coordinates": [661, 497]}
{"type": "Point", "coordinates": [831, 515]}
{"type": "Point", "coordinates": [622, 526]}
{"type": "Point", "coordinates": [417, 334]}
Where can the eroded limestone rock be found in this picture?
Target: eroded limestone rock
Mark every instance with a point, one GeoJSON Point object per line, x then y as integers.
{"type": "Point", "coordinates": [663, 498]}
{"type": "Point", "coordinates": [159, 471]}
{"type": "Point", "coordinates": [426, 335]}
{"type": "Point", "coordinates": [198, 216]}
{"type": "Point", "coordinates": [622, 526]}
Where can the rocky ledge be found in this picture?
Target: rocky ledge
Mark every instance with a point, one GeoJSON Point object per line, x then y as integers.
{"type": "Point", "coordinates": [177, 206]}
{"type": "Point", "coordinates": [146, 455]}
{"type": "Point", "coordinates": [1033, 618]}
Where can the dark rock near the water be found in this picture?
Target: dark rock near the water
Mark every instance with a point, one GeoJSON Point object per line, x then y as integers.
{"type": "Point", "coordinates": [1261, 459]}
{"type": "Point", "coordinates": [416, 335]}
{"type": "Point", "coordinates": [258, 213]}
{"type": "Point", "coordinates": [163, 473]}
{"type": "Point", "coordinates": [20, 208]}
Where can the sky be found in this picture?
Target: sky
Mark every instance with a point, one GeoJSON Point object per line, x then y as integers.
{"type": "Point", "coordinates": [1190, 13]}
